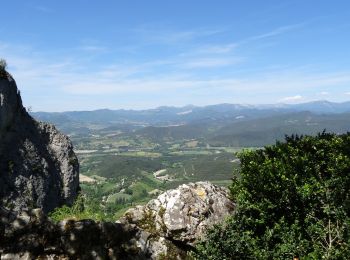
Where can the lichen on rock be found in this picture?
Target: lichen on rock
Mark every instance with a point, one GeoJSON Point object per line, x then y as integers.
{"type": "Point", "coordinates": [178, 218]}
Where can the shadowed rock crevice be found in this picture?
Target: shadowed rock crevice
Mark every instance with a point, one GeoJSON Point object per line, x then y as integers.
{"type": "Point", "coordinates": [31, 234]}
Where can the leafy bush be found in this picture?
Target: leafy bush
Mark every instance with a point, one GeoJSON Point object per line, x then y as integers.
{"type": "Point", "coordinates": [292, 199]}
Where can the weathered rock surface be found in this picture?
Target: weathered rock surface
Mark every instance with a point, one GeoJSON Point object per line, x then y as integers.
{"type": "Point", "coordinates": [165, 228]}
{"type": "Point", "coordinates": [31, 235]}
{"type": "Point", "coordinates": [171, 224]}
{"type": "Point", "coordinates": [38, 168]}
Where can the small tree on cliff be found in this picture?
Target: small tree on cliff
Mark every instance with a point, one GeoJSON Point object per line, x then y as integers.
{"type": "Point", "coordinates": [3, 64]}
{"type": "Point", "coordinates": [293, 200]}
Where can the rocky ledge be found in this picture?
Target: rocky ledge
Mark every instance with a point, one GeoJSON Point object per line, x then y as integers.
{"type": "Point", "coordinates": [166, 228]}
{"type": "Point", "coordinates": [171, 224]}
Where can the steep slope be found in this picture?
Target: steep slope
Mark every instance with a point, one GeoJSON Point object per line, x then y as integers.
{"type": "Point", "coordinates": [38, 167]}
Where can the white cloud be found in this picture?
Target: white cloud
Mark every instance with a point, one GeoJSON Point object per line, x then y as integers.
{"type": "Point", "coordinates": [347, 93]}
{"type": "Point", "coordinates": [291, 99]}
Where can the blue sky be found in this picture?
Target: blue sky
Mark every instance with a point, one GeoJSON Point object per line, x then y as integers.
{"type": "Point", "coordinates": [84, 55]}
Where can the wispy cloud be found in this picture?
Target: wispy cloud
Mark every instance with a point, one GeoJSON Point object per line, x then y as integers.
{"type": "Point", "coordinates": [260, 85]}
{"type": "Point", "coordinates": [274, 32]}
{"type": "Point", "coordinates": [167, 36]}
{"type": "Point", "coordinates": [171, 80]}
{"type": "Point", "coordinates": [215, 49]}
{"type": "Point", "coordinates": [208, 56]}
{"type": "Point", "coordinates": [209, 62]}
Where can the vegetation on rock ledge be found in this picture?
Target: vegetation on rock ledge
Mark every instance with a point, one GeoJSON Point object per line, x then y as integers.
{"type": "Point", "coordinates": [3, 65]}
{"type": "Point", "coordinates": [85, 208]}
{"type": "Point", "coordinates": [293, 200]}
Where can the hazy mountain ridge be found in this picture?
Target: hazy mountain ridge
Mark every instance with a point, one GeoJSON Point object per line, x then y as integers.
{"type": "Point", "coordinates": [163, 115]}
{"type": "Point", "coordinates": [223, 124]}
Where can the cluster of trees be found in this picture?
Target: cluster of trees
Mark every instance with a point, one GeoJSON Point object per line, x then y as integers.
{"type": "Point", "coordinates": [293, 200]}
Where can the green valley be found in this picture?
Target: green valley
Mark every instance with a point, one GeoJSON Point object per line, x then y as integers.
{"type": "Point", "coordinates": [129, 157]}
{"type": "Point", "coordinates": [123, 171]}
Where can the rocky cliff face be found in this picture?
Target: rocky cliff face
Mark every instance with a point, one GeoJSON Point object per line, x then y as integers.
{"type": "Point", "coordinates": [166, 228]}
{"type": "Point", "coordinates": [38, 168]}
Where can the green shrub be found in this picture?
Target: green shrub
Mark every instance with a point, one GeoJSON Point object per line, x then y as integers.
{"type": "Point", "coordinates": [293, 199]}
{"type": "Point", "coordinates": [81, 209]}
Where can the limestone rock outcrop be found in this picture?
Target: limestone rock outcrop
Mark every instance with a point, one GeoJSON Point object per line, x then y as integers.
{"type": "Point", "coordinates": [166, 228]}
{"type": "Point", "coordinates": [171, 224]}
{"type": "Point", "coordinates": [38, 168]}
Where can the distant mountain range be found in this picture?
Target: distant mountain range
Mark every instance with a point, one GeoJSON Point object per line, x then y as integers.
{"type": "Point", "coordinates": [175, 115]}
{"type": "Point", "coordinates": [222, 124]}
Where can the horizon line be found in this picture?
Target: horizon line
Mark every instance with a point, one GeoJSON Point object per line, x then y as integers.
{"type": "Point", "coordinates": [197, 106]}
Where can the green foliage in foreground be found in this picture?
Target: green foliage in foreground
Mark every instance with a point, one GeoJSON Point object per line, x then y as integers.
{"type": "Point", "coordinates": [292, 199]}
{"type": "Point", "coordinates": [86, 208]}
